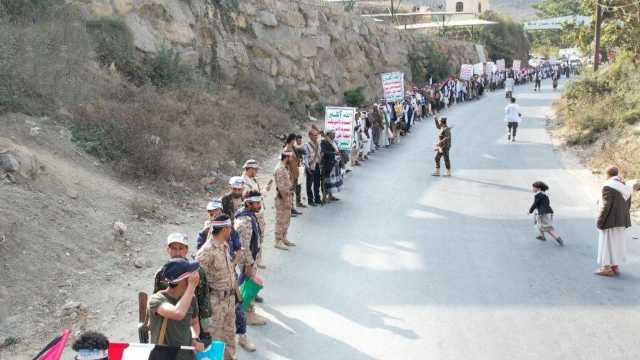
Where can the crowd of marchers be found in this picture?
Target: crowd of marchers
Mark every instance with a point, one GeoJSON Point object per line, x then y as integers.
{"type": "Point", "coordinates": [214, 297]}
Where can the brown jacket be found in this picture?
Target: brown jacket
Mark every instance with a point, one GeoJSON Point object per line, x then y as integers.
{"type": "Point", "coordinates": [614, 210]}
{"type": "Point", "coordinates": [294, 171]}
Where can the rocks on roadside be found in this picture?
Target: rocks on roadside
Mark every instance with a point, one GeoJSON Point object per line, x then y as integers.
{"type": "Point", "coordinates": [119, 229]}
{"type": "Point", "coordinates": [73, 309]}
{"type": "Point", "coordinates": [8, 161]}
{"type": "Point", "coordinates": [73, 194]}
{"type": "Point", "coordinates": [139, 263]}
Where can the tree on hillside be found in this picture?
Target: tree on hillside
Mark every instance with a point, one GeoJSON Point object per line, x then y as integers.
{"type": "Point", "coordinates": [620, 26]}
{"type": "Point", "coordinates": [557, 8]}
{"type": "Point", "coordinates": [504, 40]}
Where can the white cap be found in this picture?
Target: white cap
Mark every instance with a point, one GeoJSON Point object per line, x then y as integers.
{"type": "Point", "coordinates": [236, 182]}
{"type": "Point", "coordinates": [213, 205]}
{"type": "Point", "coordinates": [251, 164]}
{"type": "Point", "coordinates": [177, 238]}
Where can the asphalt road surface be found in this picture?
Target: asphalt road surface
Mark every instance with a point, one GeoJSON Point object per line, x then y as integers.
{"type": "Point", "coordinates": [408, 266]}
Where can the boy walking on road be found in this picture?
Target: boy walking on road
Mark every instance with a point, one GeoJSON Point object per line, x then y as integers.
{"type": "Point", "coordinates": [513, 117]}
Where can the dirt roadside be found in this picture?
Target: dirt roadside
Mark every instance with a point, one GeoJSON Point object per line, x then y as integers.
{"type": "Point", "coordinates": [62, 265]}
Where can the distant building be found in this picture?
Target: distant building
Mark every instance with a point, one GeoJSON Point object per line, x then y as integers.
{"type": "Point", "coordinates": [474, 7]}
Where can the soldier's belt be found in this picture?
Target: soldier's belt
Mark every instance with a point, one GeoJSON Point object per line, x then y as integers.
{"type": "Point", "coordinates": [222, 293]}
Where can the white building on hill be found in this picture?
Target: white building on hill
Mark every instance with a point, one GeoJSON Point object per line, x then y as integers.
{"type": "Point", "coordinates": [473, 7]}
{"type": "Point", "coordinates": [469, 8]}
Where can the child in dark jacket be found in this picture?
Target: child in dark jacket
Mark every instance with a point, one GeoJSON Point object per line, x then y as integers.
{"type": "Point", "coordinates": [544, 212]}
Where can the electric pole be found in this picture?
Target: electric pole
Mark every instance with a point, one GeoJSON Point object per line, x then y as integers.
{"type": "Point", "coordinates": [596, 52]}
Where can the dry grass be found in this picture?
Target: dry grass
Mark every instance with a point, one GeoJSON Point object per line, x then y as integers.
{"type": "Point", "coordinates": [180, 136]}
{"type": "Point", "coordinates": [599, 114]}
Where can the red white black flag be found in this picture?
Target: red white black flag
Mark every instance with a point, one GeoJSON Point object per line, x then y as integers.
{"type": "Point", "coordinates": [126, 351]}
{"type": "Point", "coordinates": [54, 350]}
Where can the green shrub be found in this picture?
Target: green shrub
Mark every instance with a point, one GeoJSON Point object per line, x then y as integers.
{"type": "Point", "coordinates": [113, 44]}
{"type": "Point", "coordinates": [354, 97]}
{"type": "Point", "coordinates": [97, 141]}
{"type": "Point", "coordinates": [164, 69]}
{"type": "Point", "coordinates": [18, 95]}
{"type": "Point", "coordinates": [586, 88]}
{"type": "Point", "coordinates": [426, 61]}
{"type": "Point", "coordinates": [504, 40]}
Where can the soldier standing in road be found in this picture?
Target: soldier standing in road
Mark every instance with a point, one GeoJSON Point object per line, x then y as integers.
{"type": "Point", "coordinates": [443, 145]}
{"type": "Point", "coordinates": [214, 257]}
{"type": "Point", "coordinates": [250, 233]}
{"type": "Point", "coordinates": [293, 165]}
{"type": "Point", "coordinates": [249, 176]}
{"type": "Point", "coordinates": [283, 201]}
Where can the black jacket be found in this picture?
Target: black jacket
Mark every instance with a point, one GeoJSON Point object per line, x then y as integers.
{"type": "Point", "coordinates": [328, 158]}
{"type": "Point", "coordinates": [541, 203]}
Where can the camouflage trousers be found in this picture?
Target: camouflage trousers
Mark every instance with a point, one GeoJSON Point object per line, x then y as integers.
{"type": "Point", "coordinates": [223, 322]}
{"type": "Point", "coordinates": [283, 218]}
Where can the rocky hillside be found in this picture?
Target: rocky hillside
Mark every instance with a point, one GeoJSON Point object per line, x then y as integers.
{"type": "Point", "coordinates": [308, 54]}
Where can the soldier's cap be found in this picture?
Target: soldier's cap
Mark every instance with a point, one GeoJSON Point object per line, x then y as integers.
{"type": "Point", "coordinates": [251, 164]}
{"type": "Point", "coordinates": [236, 182]}
{"type": "Point", "coordinates": [214, 205]}
{"type": "Point", "coordinates": [177, 238]}
{"type": "Point", "coordinates": [178, 269]}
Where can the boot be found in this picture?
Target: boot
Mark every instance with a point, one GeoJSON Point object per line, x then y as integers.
{"type": "Point", "coordinates": [280, 245]}
{"type": "Point", "coordinates": [289, 243]}
{"type": "Point", "coordinates": [436, 173]}
{"type": "Point", "coordinates": [243, 341]}
{"type": "Point", "coordinates": [255, 319]}
{"type": "Point", "coordinates": [448, 173]}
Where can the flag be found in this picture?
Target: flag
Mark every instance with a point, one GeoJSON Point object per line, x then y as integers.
{"type": "Point", "coordinates": [215, 351]}
{"type": "Point", "coordinates": [126, 351]}
{"type": "Point", "coordinates": [54, 350]}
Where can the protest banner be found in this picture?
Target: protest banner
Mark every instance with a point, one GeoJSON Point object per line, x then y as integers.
{"type": "Point", "coordinates": [341, 119]}
{"type": "Point", "coordinates": [516, 65]}
{"type": "Point", "coordinates": [491, 67]}
{"type": "Point", "coordinates": [393, 86]}
{"type": "Point", "coordinates": [500, 64]}
{"type": "Point", "coordinates": [478, 69]}
{"type": "Point", "coordinates": [466, 71]}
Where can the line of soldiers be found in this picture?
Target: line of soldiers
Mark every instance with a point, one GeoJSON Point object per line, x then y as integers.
{"type": "Point", "coordinates": [196, 302]}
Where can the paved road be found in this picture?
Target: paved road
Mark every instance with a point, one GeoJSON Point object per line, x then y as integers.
{"type": "Point", "coordinates": [408, 266]}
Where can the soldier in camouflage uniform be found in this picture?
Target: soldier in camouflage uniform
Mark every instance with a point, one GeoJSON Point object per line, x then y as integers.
{"type": "Point", "coordinates": [249, 176]}
{"type": "Point", "coordinates": [283, 201]}
{"type": "Point", "coordinates": [216, 261]}
{"type": "Point", "coordinates": [443, 145]}
{"type": "Point", "coordinates": [250, 232]}
{"type": "Point", "coordinates": [178, 247]}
